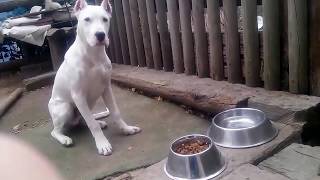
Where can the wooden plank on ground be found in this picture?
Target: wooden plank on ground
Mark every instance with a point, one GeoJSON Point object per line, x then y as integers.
{"type": "Point", "coordinates": [145, 33]}
{"type": "Point", "coordinates": [174, 29]}
{"type": "Point", "coordinates": [155, 42]}
{"type": "Point", "coordinates": [137, 32]}
{"type": "Point", "coordinates": [298, 46]}
{"type": "Point", "coordinates": [187, 37]}
{"type": "Point", "coordinates": [215, 40]}
{"type": "Point", "coordinates": [271, 44]}
{"type": "Point", "coordinates": [129, 30]}
{"type": "Point", "coordinates": [200, 36]}
{"type": "Point", "coordinates": [232, 41]}
{"type": "Point", "coordinates": [252, 61]}
{"type": "Point", "coordinates": [164, 35]}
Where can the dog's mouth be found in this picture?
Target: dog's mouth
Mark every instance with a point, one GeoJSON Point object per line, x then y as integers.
{"type": "Point", "coordinates": [100, 43]}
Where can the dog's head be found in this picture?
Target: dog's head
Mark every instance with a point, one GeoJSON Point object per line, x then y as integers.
{"type": "Point", "coordinates": [93, 22]}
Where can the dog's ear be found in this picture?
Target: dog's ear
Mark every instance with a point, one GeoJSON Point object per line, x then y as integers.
{"type": "Point", "coordinates": [107, 6]}
{"type": "Point", "coordinates": [80, 4]}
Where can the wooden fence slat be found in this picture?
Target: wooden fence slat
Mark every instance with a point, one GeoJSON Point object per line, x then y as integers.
{"type": "Point", "coordinates": [111, 49]}
{"type": "Point", "coordinates": [271, 44]}
{"type": "Point", "coordinates": [174, 28]}
{"type": "Point", "coordinates": [129, 30]}
{"type": "Point", "coordinates": [232, 41]}
{"type": "Point", "coordinates": [145, 33]}
{"type": "Point", "coordinates": [137, 32]}
{"type": "Point", "coordinates": [201, 42]}
{"type": "Point", "coordinates": [164, 35]}
{"type": "Point", "coordinates": [122, 33]}
{"type": "Point", "coordinates": [215, 40]}
{"type": "Point", "coordinates": [155, 42]}
{"type": "Point", "coordinates": [187, 37]}
{"type": "Point", "coordinates": [116, 39]}
{"type": "Point", "coordinates": [298, 47]}
{"type": "Point", "coordinates": [252, 61]}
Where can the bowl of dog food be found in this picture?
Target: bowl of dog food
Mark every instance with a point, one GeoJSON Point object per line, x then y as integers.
{"type": "Point", "coordinates": [194, 157]}
{"type": "Point", "coordinates": [241, 128]}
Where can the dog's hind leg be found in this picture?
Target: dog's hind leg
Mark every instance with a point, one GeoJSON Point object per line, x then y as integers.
{"type": "Point", "coordinates": [61, 113]}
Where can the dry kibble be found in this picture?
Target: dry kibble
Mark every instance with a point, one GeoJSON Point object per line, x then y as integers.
{"type": "Point", "coordinates": [192, 147]}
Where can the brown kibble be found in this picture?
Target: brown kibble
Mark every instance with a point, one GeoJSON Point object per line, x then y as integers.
{"type": "Point", "coordinates": [192, 147]}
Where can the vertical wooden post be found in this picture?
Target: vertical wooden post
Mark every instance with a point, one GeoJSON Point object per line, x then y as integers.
{"type": "Point", "coordinates": [155, 43]}
{"type": "Point", "coordinates": [137, 32]}
{"type": "Point", "coordinates": [122, 32]}
{"type": "Point", "coordinates": [232, 41]}
{"type": "Point", "coordinates": [298, 47]}
{"type": "Point", "coordinates": [174, 28]}
{"type": "Point", "coordinates": [116, 39]}
{"type": "Point", "coordinates": [129, 29]}
{"type": "Point", "coordinates": [187, 37]}
{"type": "Point", "coordinates": [200, 36]}
{"type": "Point", "coordinates": [314, 47]}
{"type": "Point", "coordinates": [215, 40]}
{"type": "Point", "coordinates": [164, 35]}
{"type": "Point", "coordinates": [145, 32]}
{"type": "Point", "coordinates": [251, 43]}
{"type": "Point", "coordinates": [111, 48]}
{"type": "Point", "coordinates": [271, 44]}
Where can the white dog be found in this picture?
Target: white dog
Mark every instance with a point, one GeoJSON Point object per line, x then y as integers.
{"type": "Point", "coordinates": [84, 76]}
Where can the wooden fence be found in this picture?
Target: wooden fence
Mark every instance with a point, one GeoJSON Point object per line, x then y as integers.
{"type": "Point", "coordinates": [216, 39]}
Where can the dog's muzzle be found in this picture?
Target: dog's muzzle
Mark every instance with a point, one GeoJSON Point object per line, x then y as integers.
{"type": "Point", "coordinates": [100, 36]}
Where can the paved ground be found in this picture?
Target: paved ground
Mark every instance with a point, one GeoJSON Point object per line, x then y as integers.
{"type": "Point", "coordinates": [161, 123]}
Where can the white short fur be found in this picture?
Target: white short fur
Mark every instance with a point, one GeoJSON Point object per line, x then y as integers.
{"type": "Point", "coordinates": [84, 76]}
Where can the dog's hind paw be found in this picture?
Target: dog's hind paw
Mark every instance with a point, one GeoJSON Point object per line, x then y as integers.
{"type": "Point", "coordinates": [64, 140]}
{"type": "Point", "coordinates": [131, 130]}
{"type": "Point", "coordinates": [104, 148]}
{"type": "Point", "coordinates": [102, 124]}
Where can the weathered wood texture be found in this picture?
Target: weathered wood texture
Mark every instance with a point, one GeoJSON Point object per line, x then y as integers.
{"type": "Point", "coordinates": [187, 37]}
{"type": "Point", "coordinates": [271, 45]}
{"type": "Point", "coordinates": [164, 35]}
{"type": "Point", "coordinates": [232, 41]}
{"type": "Point", "coordinates": [298, 46]}
{"type": "Point", "coordinates": [122, 31]}
{"type": "Point", "coordinates": [174, 28]}
{"type": "Point", "coordinates": [116, 39]}
{"type": "Point", "coordinates": [130, 35]}
{"type": "Point", "coordinates": [137, 32]}
{"type": "Point", "coordinates": [314, 47]}
{"type": "Point", "coordinates": [252, 61]}
{"type": "Point", "coordinates": [145, 33]}
{"type": "Point", "coordinates": [9, 5]}
{"type": "Point", "coordinates": [155, 42]}
{"type": "Point", "coordinates": [200, 36]}
{"type": "Point", "coordinates": [215, 41]}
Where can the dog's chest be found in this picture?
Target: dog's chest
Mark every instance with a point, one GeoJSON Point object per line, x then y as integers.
{"type": "Point", "coordinates": [96, 81]}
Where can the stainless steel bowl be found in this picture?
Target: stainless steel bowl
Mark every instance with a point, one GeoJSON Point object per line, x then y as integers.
{"type": "Point", "coordinates": [241, 128]}
{"type": "Point", "coordinates": [201, 166]}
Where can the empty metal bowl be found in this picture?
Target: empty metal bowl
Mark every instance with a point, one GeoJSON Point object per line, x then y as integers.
{"type": "Point", "coordinates": [200, 166]}
{"type": "Point", "coordinates": [241, 128]}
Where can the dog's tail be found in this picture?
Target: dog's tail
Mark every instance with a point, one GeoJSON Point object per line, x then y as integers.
{"type": "Point", "coordinates": [102, 114]}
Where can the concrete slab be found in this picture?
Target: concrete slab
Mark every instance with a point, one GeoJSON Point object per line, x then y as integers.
{"type": "Point", "coordinates": [161, 122]}
{"type": "Point", "coordinates": [248, 171]}
{"type": "Point", "coordinates": [298, 162]}
{"type": "Point", "coordinates": [235, 157]}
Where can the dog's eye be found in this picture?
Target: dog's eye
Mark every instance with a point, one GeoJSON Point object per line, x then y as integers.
{"type": "Point", "coordinates": [87, 19]}
{"type": "Point", "coordinates": [105, 19]}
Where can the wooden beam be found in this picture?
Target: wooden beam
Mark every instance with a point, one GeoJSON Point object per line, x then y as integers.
{"type": "Point", "coordinates": [129, 30]}
{"type": "Point", "coordinates": [215, 40]}
{"type": "Point", "coordinates": [298, 46]}
{"type": "Point", "coordinates": [116, 39]}
{"type": "Point", "coordinates": [232, 41]}
{"type": "Point", "coordinates": [271, 45]}
{"type": "Point", "coordinates": [187, 37]}
{"type": "Point", "coordinates": [145, 33]}
{"type": "Point", "coordinates": [155, 42]}
{"type": "Point", "coordinates": [164, 35]}
{"type": "Point", "coordinates": [200, 36]}
{"type": "Point", "coordinates": [251, 43]}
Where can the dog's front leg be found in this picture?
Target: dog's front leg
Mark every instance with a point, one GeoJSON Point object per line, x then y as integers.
{"type": "Point", "coordinates": [110, 102]}
{"type": "Point", "coordinates": [103, 145]}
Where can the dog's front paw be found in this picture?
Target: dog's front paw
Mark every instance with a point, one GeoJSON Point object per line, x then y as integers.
{"type": "Point", "coordinates": [104, 147]}
{"type": "Point", "coordinates": [130, 130]}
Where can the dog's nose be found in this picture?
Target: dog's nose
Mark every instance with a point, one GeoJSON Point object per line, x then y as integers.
{"type": "Point", "coordinates": [100, 36]}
